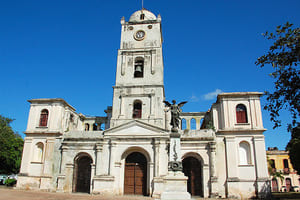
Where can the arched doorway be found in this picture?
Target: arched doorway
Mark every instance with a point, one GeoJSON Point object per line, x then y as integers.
{"type": "Point", "coordinates": [192, 168]}
{"type": "Point", "coordinates": [274, 185]}
{"type": "Point", "coordinates": [135, 179]}
{"type": "Point", "coordinates": [82, 174]}
{"type": "Point", "coordinates": [288, 184]}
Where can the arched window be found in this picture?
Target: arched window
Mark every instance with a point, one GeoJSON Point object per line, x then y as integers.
{"type": "Point", "coordinates": [102, 126]}
{"type": "Point", "coordinates": [201, 123]}
{"type": "Point", "coordinates": [286, 169]}
{"type": "Point", "coordinates": [193, 124]}
{"type": "Point", "coordinates": [272, 165]}
{"type": "Point", "coordinates": [137, 109]}
{"type": "Point", "coordinates": [285, 163]}
{"type": "Point", "coordinates": [244, 151]}
{"type": "Point", "coordinates": [86, 127]}
{"type": "Point", "coordinates": [44, 117]}
{"type": "Point", "coordinates": [183, 124]}
{"type": "Point", "coordinates": [241, 114]}
{"type": "Point", "coordinates": [142, 16]}
{"type": "Point", "coordinates": [95, 126]}
{"type": "Point", "coordinates": [139, 68]}
{"type": "Point", "coordinates": [39, 150]}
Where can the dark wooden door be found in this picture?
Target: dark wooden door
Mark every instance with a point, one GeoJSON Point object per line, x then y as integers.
{"type": "Point", "coordinates": [192, 169]}
{"type": "Point", "coordinates": [135, 178]}
{"type": "Point", "coordinates": [83, 174]}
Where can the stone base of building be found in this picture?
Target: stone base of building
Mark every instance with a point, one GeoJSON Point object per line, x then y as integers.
{"type": "Point", "coordinates": [103, 184]}
{"type": "Point", "coordinates": [42, 183]}
{"type": "Point", "coordinates": [175, 187]}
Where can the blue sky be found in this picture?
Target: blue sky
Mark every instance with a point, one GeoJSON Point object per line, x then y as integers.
{"type": "Point", "coordinates": [68, 49]}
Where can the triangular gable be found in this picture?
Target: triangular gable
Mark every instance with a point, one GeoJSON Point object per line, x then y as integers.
{"type": "Point", "coordinates": [135, 127]}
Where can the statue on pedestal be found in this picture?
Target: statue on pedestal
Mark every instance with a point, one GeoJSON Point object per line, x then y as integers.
{"type": "Point", "coordinates": [175, 111]}
{"type": "Point", "coordinates": [174, 164]}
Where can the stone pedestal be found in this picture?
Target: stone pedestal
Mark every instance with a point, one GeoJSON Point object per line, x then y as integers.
{"type": "Point", "coordinates": [175, 187]}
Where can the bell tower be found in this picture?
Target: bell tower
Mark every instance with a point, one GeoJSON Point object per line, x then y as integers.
{"type": "Point", "coordinates": [139, 88]}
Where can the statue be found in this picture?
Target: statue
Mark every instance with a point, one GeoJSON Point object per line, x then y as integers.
{"type": "Point", "coordinates": [175, 111]}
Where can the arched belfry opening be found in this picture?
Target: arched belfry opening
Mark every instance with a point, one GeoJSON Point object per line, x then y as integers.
{"type": "Point", "coordinates": [139, 67]}
{"type": "Point", "coordinates": [135, 176]}
{"type": "Point", "coordinates": [192, 168]}
{"type": "Point", "coordinates": [82, 173]}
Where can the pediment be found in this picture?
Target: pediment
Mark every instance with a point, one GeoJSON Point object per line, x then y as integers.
{"type": "Point", "coordinates": [135, 128]}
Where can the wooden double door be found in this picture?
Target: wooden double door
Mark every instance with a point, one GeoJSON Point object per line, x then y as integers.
{"type": "Point", "coordinates": [193, 170]}
{"type": "Point", "coordinates": [135, 179]}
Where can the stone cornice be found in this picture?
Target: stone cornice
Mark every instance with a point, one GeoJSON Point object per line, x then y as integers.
{"type": "Point", "coordinates": [51, 100]}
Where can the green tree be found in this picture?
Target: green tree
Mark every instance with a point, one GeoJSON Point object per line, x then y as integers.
{"type": "Point", "coordinates": [284, 56]}
{"type": "Point", "coordinates": [11, 146]}
{"type": "Point", "coordinates": [294, 148]}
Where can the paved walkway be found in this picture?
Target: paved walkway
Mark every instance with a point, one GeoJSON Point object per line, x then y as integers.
{"type": "Point", "coordinates": [14, 194]}
{"type": "Point", "coordinates": [8, 193]}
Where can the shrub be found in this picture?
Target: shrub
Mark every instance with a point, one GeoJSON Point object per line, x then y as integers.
{"type": "Point", "coordinates": [10, 182]}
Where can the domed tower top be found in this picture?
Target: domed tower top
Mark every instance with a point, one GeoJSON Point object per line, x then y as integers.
{"type": "Point", "coordinates": [142, 16]}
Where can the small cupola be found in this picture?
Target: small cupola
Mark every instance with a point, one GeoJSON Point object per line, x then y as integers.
{"type": "Point", "coordinates": [142, 15]}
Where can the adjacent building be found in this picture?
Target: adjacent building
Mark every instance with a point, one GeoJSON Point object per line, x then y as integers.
{"type": "Point", "coordinates": [287, 179]}
{"type": "Point", "coordinates": [126, 151]}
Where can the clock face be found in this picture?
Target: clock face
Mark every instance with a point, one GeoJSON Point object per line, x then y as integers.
{"type": "Point", "coordinates": [139, 35]}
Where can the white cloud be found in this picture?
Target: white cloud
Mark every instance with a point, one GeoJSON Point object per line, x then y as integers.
{"type": "Point", "coordinates": [212, 95]}
{"type": "Point", "coordinates": [194, 98]}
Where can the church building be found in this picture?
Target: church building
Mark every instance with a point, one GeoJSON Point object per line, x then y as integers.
{"type": "Point", "coordinates": [127, 151]}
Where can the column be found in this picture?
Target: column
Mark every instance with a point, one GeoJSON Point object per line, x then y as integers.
{"type": "Point", "coordinates": [198, 123]}
{"type": "Point", "coordinates": [212, 148]}
{"type": "Point", "coordinates": [231, 153]}
{"type": "Point", "coordinates": [262, 179]}
{"type": "Point", "coordinates": [152, 60]}
{"type": "Point", "coordinates": [104, 170]}
{"type": "Point", "coordinates": [156, 144]}
{"type": "Point", "coordinates": [123, 63]}
{"type": "Point", "coordinates": [213, 177]}
{"type": "Point", "coordinates": [112, 157]}
{"type": "Point", "coordinates": [188, 123]}
{"type": "Point", "coordinates": [26, 156]}
{"type": "Point", "coordinates": [92, 177]}
{"type": "Point", "coordinates": [259, 157]}
{"type": "Point", "coordinates": [98, 158]}
{"type": "Point", "coordinates": [48, 157]}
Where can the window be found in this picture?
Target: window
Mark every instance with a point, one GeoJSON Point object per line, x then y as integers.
{"type": "Point", "coordinates": [286, 169]}
{"type": "Point", "coordinates": [139, 68]}
{"type": "Point", "coordinates": [71, 118]}
{"type": "Point", "coordinates": [86, 127]}
{"type": "Point", "coordinates": [39, 149]}
{"type": "Point", "coordinates": [44, 117]}
{"type": "Point", "coordinates": [142, 16]}
{"type": "Point", "coordinates": [95, 126]}
{"type": "Point", "coordinates": [272, 165]}
{"type": "Point", "coordinates": [241, 114]}
{"type": "Point", "coordinates": [102, 127]}
{"type": "Point", "coordinates": [137, 109]}
{"type": "Point", "coordinates": [183, 124]}
{"type": "Point", "coordinates": [244, 151]}
{"type": "Point", "coordinates": [286, 163]}
{"type": "Point", "coordinates": [193, 124]}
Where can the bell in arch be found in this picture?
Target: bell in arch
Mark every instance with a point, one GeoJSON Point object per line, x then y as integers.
{"type": "Point", "coordinates": [138, 68]}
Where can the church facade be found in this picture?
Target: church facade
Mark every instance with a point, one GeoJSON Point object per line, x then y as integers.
{"type": "Point", "coordinates": [126, 151]}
